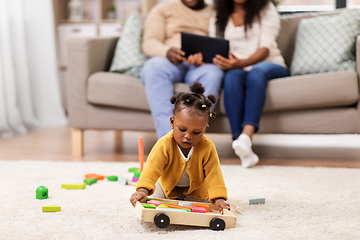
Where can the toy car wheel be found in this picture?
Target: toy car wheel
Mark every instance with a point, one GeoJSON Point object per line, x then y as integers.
{"type": "Point", "coordinates": [161, 220]}
{"type": "Point", "coordinates": [217, 224]}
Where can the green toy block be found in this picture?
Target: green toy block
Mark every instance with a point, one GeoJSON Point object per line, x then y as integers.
{"type": "Point", "coordinates": [74, 186]}
{"type": "Point", "coordinates": [51, 208]}
{"type": "Point", "coordinates": [42, 192]}
{"type": "Point", "coordinates": [90, 181]}
{"type": "Point", "coordinates": [112, 178]}
{"type": "Point", "coordinates": [137, 174]}
{"type": "Point", "coordinates": [256, 200]}
{"type": "Point", "coordinates": [134, 169]}
{"type": "Point", "coordinates": [147, 205]}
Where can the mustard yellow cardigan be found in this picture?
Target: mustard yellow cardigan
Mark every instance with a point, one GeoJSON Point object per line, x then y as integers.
{"type": "Point", "coordinates": [165, 164]}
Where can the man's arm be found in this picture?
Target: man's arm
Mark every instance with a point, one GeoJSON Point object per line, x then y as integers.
{"type": "Point", "coordinates": [154, 33]}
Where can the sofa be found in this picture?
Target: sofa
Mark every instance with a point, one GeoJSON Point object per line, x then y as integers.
{"type": "Point", "coordinates": [322, 103]}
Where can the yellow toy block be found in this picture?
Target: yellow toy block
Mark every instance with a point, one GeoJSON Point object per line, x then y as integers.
{"type": "Point", "coordinates": [74, 186]}
{"type": "Point", "coordinates": [51, 208]}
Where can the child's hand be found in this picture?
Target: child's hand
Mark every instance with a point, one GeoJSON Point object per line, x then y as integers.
{"type": "Point", "coordinates": [221, 204]}
{"type": "Point", "coordinates": [140, 195]}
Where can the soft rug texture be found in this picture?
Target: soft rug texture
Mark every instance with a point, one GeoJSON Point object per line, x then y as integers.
{"type": "Point", "coordinates": [301, 203]}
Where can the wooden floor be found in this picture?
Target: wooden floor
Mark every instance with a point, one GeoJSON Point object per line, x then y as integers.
{"type": "Point", "coordinates": [55, 145]}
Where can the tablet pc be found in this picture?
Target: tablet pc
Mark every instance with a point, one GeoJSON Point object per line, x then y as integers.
{"type": "Point", "coordinates": [208, 46]}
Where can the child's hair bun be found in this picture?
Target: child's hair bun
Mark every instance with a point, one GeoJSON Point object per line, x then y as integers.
{"type": "Point", "coordinates": [197, 88]}
{"type": "Point", "coordinates": [212, 99]}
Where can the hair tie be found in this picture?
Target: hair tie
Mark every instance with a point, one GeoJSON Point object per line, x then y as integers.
{"type": "Point", "coordinates": [187, 100]}
{"type": "Point", "coordinates": [203, 106]}
{"type": "Point", "coordinates": [176, 101]}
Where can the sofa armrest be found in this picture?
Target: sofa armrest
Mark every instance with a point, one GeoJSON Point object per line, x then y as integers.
{"type": "Point", "coordinates": [85, 57]}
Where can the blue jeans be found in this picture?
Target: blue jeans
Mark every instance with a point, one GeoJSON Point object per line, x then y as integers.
{"type": "Point", "coordinates": [245, 92]}
{"type": "Point", "coordinates": [158, 75]}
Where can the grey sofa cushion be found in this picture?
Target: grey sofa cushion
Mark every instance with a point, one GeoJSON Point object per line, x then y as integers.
{"type": "Point", "coordinates": [293, 93]}
{"type": "Point", "coordinates": [120, 90]}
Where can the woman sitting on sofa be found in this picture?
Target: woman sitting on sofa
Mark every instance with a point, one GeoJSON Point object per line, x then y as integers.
{"type": "Point", "coordinates": [251, 26]}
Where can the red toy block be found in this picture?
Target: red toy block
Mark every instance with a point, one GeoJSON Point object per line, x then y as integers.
{"type": "Point", "coordinates": [198, 209]}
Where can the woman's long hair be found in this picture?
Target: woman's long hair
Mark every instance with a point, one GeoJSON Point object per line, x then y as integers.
{"type": "Point", "coordinates": [224, 8]}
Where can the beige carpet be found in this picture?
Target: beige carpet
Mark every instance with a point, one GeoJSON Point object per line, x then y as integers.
{"type": "Point", "coordinates": [301, 203]}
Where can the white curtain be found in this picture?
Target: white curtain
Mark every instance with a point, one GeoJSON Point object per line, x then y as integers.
{"type": "Point", "coordinates": [29, 83]}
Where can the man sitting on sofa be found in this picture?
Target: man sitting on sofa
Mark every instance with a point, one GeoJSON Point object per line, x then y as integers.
{"type": "Point", "coordinates": [167, 65]}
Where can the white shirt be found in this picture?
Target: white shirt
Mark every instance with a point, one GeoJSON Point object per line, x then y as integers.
{"type": "Point", "coordinates": [261, 34]}
{"type": "Point", "coordinates": [185, 179]}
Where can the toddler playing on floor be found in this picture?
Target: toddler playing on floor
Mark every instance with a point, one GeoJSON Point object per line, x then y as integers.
{"type": "Point", "coordinates": [184, 164]}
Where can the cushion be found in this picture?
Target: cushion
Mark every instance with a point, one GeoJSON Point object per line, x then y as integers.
{"type": "Point", "coordinates": [326, 43]}
{"type": "Point", "coordinates": [128, 57]}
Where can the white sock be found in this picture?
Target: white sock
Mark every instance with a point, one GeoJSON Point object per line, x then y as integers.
{"type": "Point", "coordinates": [242, 148]}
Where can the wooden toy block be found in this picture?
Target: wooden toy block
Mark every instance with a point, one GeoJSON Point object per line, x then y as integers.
{"type": "Point", "coordinates": [123, 181]}
{"type": "Point", "coordinates": [90, 181]}
{"type": "Point", "coordinates": [162, 206]}
{"type": "Point", "coordinates": [162, 217]}
{"type": "Point", "coordinates": [176, 206]}
{"type": "Point", "coordinates": [135, 179]}
{"type": "Point", "coordinates": [174, 209]}
{"type": "Point", "coordinates": [185, 204]}
{"type": "Point", "coordinates": [156, 203]}
{"type": "Point", "coordinates": [42, 192]}
{"type": "Point", "coordinates": [134, 169]}
{"type": "Point", "coordinates": [147, 205]}
{"type": "Point", "coordinates": [74, 186]}
{"type": "Point", "coordinates": [137, 174]}
{"type": "Point", "coordinates": [51, 208]}
{"type": "Point", "coordinates": [204, 205]}
{"type": "Point", "coordinates": [112, 178]}
{"type": "Point", "coordinates": [130, 182]}
{"type": "Point", "coordinates": [256, 200]}
{"type": "Point", "coordinates": [93, 175]}
{"type": "Point", "coordinates": [141, 152]}
{"type": "Point", "coordinates": [198, 209]}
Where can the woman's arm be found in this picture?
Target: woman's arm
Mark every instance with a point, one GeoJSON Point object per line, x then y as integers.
{"type": "Point", "coordinates": [233, 62]}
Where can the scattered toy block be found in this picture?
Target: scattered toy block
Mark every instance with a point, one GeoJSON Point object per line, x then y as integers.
{"type": "Point", "coordinates": [147, 205]}
{"type": "Point", "coordinates": [130, 182]}
{"type": "Point", "coordinates": [156, 203]}
{"type": "Point", "coordinates": [137, 174]}
{"type": "Point", "coordinates": [204, 205]}
{"type": "Point", "coordinates": [185, 204]}
{"type": "Point", "coordinates": [141, 153]}
{"type": "Point", "coordinates": [42, 192]}
{"type": "Point", "coordinates": [256, 200]}
{"type": "Point", "coordinates": [123, 181]}
{"type": "Point", "coordinates": [198, 209]}
{"type": "Point", "coordinates": [51, 208]}
{"type": "Point", "coordinates": [90, 181]}
{"type": "Point", "coordinates": [135, 179]}
{"type": "Point", "coordinates": [134, 170]}
{"type": "Point", "coordinates": [93, 175]}
{"type": "Point", "coordinates": [74, 186]}
{"type": "Point", "coordinates": [112, 178]}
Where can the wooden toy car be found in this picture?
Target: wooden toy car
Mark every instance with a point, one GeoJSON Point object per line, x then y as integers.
{"type": "Point", "coordinates": [162, 217]}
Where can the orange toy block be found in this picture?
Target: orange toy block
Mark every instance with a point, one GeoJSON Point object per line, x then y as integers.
{"type": "Point", "coordinates": [141, 152]}
{"type": "Point", "coordinates": [204, 205]}
{"type": "Point", "coordinates": [176, 206]}
{"type": "Point", "coordinates": [93, 175]}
